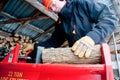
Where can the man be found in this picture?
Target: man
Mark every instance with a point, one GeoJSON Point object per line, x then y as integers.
{"type": "Point", "coordinates": [84, 23]}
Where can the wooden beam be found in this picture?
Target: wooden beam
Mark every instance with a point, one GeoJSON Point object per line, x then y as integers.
{"type": "Point", "coordinates": [25, 23]}
{"type": "Point", "coordinates": [42, 9]}
{"type": "Point", "coordinates": [44, 33]}
{"type": "Point", "coordinates": [7, 15]}
{"type": "Point", "coordinates": [23, 19]}
{"type": "Point", "coordinates": [35, 28]}
{"type": "Point", "coordinates": [5, 34]}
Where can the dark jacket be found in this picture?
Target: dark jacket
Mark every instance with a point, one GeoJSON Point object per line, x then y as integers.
{"type": "Point", "coordinates": [86, 18]}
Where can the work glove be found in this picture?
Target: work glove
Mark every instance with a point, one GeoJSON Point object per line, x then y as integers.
{"type": "Point", "coordinates": [28, 46]}
{"type": "Point", "coordinates": [83, 47]}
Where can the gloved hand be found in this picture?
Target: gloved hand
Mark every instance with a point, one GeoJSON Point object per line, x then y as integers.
{"type": "Point", "coordinates": [28, 46]}
{"type": "Point", "coordinates": [83, 47]}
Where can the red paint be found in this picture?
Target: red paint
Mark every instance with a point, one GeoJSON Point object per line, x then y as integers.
{"type": "Point", "coordinates": [30, 71]}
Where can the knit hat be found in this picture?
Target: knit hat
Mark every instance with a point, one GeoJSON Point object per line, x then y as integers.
{"type": "Point", "coordinates": [47, 3]}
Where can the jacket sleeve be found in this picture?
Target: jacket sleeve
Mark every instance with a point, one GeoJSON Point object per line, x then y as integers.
{"type": "Point", "coordinates": [105, 20]}
{"type": "Point", "coordinates": [56, 40]}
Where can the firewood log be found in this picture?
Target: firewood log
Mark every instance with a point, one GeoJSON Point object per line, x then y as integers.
{"type": "Point", "coordinates": [30, 41]}
{"type": "Point", "coordinates": [16, 35]}
{"type": "Point", "coordinates": [66, 56]}
{"type": "Point", "coordinates": [27, 39]}
{"type": "Point", "coordinates": [1, 45]}
{"type": "Point", "coordinates": [7, 38]}
{"type": "Point", "coordinates": [1, 41]}
{"type": "Point", "coordinates": [10, 42]}
{"type": "Point", "coordinates": [16, 39]}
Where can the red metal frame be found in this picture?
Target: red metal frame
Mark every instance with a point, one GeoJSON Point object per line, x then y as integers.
{"type": "Point", "coordinates": [13, 55]}
{"type": "Point", "coordinates": [29, 71]}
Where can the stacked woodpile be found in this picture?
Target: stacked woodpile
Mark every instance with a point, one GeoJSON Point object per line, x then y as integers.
{"type": "Point", "coordinates": [8, 43]}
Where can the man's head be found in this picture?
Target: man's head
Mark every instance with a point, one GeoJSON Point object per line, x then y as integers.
{"type": "Point", "coordinates": [54, 5]}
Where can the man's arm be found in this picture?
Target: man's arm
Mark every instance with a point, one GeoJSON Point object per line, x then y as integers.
{"type": "Point", "coordinates": [102, 16]}
{"type": "Point", "coordinates": [105, 23]}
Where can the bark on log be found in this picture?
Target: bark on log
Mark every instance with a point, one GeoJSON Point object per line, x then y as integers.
{"type": "Point", "coordinates": [66, 56]}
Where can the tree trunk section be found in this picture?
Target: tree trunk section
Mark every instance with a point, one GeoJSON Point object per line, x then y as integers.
{"type": "Point", "coordinates": [66, 56]}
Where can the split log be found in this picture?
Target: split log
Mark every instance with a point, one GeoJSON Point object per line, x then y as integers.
{"type": "Point", "coordinates": [66, 56]}
{"type": "Point", "coordinates": [16, 35]}
{"type": "Point", "coordinates": [10, 42]}
{"type": "Point", "coordinates": [1, 41]}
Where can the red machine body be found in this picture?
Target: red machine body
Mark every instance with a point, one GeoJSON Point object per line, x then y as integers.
{"type": "Point", "coordinates": [12, 69]}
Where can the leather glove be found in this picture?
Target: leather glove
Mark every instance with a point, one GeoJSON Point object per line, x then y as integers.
{"type": "Point", "coordinates": [83, 47]}
{"type": "Point", "coordinates": [28, 46]}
